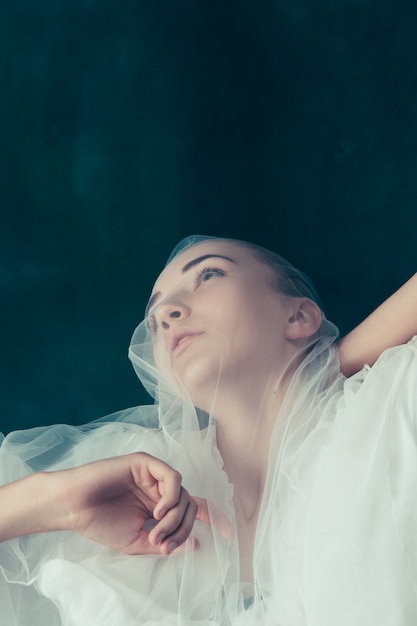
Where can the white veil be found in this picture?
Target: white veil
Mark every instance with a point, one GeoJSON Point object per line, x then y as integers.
{"type": "Point", "coordinates": [203, 586]}
{"type": "Point", "coordinates": [93, 585]}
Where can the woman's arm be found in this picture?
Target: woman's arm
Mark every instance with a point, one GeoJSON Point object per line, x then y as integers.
{"type": "Point", "coordinates": [391, 324]}
{"type": "Point", "coordinates": [109, 501]}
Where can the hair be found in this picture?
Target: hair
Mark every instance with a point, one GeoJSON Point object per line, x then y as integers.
{"type": "Point", "coordinates": [284, 277]}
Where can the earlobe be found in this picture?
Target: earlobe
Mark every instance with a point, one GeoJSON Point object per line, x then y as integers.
{"type": "Point", "coordinates": [305, 319]}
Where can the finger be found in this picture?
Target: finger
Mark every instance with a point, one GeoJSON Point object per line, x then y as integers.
{"type": "Point", "coordinates": [169, 486]}
{"type": "Point", "coordinates": [211, 514]}
{"type": "Point", "coordinates": [160, 482]}
{"type": "Point", "coordinates": [171, 492]}
{"type": "Point", "coordinates": [176, 541]}
{"type": "Point", "coordinates": [173, 518]}
{"type": "Point", "coordinates": [191, 543]}
{"type": "Point", "coordinates": [176, 525]}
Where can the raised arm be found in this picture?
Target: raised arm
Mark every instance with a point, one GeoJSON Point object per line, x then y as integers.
{"type": "Point", "coordinates": [391, 324]}
{"type": "Point", "coordinates": [133, 503]}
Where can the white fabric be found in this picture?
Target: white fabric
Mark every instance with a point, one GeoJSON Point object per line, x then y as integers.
{"type": "Point", "coordinates": [336, 540]}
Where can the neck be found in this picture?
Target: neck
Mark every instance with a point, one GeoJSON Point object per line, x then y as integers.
{"type": "Point", "coordinates": [244, 427]}
{"type": "Point", "coordinates": [245, 418]}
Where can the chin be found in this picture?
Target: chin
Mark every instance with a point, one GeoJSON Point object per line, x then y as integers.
{"type": "Point", "coordinates": [200, 383]}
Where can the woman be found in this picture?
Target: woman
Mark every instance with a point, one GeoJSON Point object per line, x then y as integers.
{"type": "Point", "coordinates": [303, 480]}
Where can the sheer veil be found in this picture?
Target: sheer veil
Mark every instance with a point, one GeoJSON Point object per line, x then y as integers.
{"type": "Point", "coordinates": [68, 580]}
{"type": "Point", "coordinates": [314, 387]}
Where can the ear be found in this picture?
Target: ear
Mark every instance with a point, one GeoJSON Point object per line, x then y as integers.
{"type": "Point", "coordinates": [304, 320]}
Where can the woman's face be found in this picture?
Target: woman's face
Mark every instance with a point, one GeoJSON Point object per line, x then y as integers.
{"type": "Point", "coordinates": [214, 316]}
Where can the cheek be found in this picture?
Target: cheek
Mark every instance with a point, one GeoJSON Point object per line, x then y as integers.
{"type": "Point", "coordinates": [161, 355]}
{"type": "Point", "coordinates": [155, 350]}
{"type": "Point", "coordinates": [254, 334]}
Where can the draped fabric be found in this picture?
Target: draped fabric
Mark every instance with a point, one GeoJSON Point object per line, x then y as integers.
{"type": "Point", "coordinates": [335, 539]}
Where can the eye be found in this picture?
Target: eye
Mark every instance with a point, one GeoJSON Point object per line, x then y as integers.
{"type": "Point", "coordinates": [207, 273]}
{"type": "Point", "coordinates": [152, 325]}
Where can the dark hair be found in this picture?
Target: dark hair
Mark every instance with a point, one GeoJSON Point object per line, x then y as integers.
{"type": "Point", "coordinates": [285, 278]}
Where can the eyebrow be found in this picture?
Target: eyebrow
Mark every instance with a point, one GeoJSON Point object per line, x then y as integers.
{"type": "Point", "coordinates": [185, 269]}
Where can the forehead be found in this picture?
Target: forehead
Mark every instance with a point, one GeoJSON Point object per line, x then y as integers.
{"type": "Point", "coordinates": [173, 272]}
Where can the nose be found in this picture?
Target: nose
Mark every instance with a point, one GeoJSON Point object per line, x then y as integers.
{"type": "Point", "coordinates": [168, 313]}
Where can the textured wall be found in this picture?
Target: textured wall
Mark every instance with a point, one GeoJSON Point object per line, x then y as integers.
{"type": "Point", "coordinates": [125, 126]}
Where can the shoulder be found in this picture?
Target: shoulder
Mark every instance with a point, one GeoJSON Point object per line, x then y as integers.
{"type": "Point", "coordinates": [389, 384]}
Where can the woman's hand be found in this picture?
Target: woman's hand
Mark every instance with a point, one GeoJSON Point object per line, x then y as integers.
{"type": "Point", "coordinates": [133, 503]}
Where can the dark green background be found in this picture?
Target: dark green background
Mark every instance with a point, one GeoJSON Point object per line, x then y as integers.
{"type": "Point", "coordinates": [127, 125]}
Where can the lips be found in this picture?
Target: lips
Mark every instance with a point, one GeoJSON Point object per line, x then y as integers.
{"type": "Point", "coordinates": [182, 337]}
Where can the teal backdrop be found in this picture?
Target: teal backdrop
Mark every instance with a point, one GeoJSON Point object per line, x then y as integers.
{"type": "Point", "coordinates": [127, 125]}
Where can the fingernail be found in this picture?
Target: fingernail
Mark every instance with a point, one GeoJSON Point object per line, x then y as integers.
{"type": "Point", "coordinates": [162, 512]}
{"type": "Point", "coordinates": [172, 546]}
{"type": "Point", "coordinates": [160, 538]}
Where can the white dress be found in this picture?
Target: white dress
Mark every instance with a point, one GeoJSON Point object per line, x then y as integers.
{"type": "Point", "coordinates": [336, 540]}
